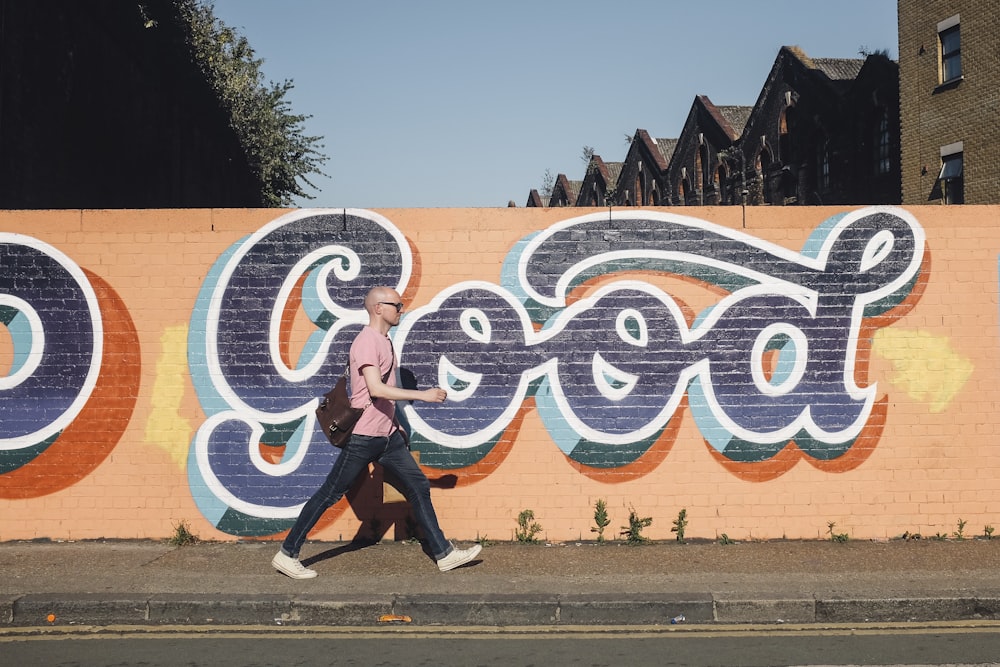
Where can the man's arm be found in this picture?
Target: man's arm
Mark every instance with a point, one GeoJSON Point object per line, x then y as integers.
{"type": "Point", "coordinates": [378, 389]}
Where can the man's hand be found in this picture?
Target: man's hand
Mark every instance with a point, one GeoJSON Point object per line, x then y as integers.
{"type": "Point", "coordinates": [435, 395]}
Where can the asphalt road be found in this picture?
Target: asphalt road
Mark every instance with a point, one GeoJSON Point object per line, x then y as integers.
{"type": "Point", "coordinates": [962, 644]}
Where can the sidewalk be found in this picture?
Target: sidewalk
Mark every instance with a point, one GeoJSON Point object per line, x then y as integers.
{"type": "Point", "coordinates": [153, 583]}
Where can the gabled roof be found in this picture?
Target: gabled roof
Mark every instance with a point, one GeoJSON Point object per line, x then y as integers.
{"type": "Point", "coordinates": [535, 200]}
{"type": "Point", "coordinates": [564, 190]}
{"type": "Point", "coordinates": [725, 124]}
{"type": "Point", "coordinates": [833, 74]}
{"type": "Point", "coordinates": [608, 171]}
{"type": "Point", "coordinates": [599, 170]}
{"type": "Point", "coordinates": [722, 116]}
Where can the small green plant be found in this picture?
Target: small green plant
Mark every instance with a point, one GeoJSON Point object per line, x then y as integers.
{"type": "Point", "coordinates": [940, 537]}
{"type": "Point", "coordinates": [960, 531]}
{"type": "Point", "coordinates": [633, 531]}
{"type": "Point", "coordinates": [528, 528]}
{"type": "Point", "coordinates": [836, 537]}
{"type": "Point", "coordinates": [724, 539]}
{"type": "Point", "coordinates": [182, 536]}
{"type": "Point", "coordinates": [680, 524]}
{"type": "Point", "coordinates": [483, 541]}
{"type": "Point", "coordinates": [988, 532]}
{"type": "Point", "coordinates": [600, 518]}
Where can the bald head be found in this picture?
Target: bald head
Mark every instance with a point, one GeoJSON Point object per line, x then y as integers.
{"type": "Point", "coordinates": [379, 294]}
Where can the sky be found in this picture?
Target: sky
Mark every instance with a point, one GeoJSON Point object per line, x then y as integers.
{"type": "Point", "coordinates": [467, 103]}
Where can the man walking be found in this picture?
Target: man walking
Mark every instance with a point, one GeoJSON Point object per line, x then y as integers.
{"type": "Point", "coordinates": [376, 438]}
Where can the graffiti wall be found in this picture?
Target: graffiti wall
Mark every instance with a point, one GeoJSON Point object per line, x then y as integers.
{"type": "Point", "coordinates": [773, 372]}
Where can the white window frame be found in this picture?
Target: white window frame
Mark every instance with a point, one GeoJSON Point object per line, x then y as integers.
{"type": "Point", "coordinates": [945, 60]}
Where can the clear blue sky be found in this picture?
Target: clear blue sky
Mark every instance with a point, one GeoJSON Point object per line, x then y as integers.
{"type": "Point", "coordinates": [455, 103]}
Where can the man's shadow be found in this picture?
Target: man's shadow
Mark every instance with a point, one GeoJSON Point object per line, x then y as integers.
{"type": "Point", "coordinates": [377, 500]}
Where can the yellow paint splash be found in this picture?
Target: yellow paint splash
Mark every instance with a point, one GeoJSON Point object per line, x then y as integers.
{"type": "Point", "coordinates": [165, 427]}
{"type": "Point", "coordinates": [924, 365]}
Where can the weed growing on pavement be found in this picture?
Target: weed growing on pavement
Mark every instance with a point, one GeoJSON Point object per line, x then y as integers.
{"type": "Point", "coordinates": [724, 539]}
{"type": "Point", "coordinates": [960, 531]}
{"type": "Point", "coordinates": [182, 536]}
{"type": "Point", "coordinates": [680, 524]}
{"type": "Point", "coordinates": [528, 528]}
{"type": "Point", "coordinates": [633, 531]}
{"type": "Point", "coordinates": [988, 532]}
{"type": "Point", "coordinates": [483, 541]}
{"type": "Point", "coordinates": [600, 518]}
{"type": "Point", "coordinates": [835, 537]}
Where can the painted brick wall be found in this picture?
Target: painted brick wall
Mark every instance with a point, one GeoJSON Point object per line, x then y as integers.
{"type": "Point", "coordinates": [772, 371]}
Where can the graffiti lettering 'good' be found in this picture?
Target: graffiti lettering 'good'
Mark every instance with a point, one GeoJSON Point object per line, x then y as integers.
{"type": "Point", "coordinates": [775, 360]}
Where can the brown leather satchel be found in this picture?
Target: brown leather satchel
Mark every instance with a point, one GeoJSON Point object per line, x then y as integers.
{"type": "Point", "coordinates": [335, 414]}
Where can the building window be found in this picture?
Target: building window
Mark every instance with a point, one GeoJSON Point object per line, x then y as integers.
{"type": "Point", "coordinates": [883, 159]}
{"type": "Point", "coordinates": [951, 49]}
{"type": "Point", "coordinates": [823, 164]}
{"type": "Point", "coordinates": [951, 180]}
{"type": "Point", "coordinates": [705, 175]}
{"type": "Point", "coordinates": [784, 138]}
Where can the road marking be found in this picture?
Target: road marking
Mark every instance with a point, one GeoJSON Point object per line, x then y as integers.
{"type": "Point", "coordinates": [45, 633]}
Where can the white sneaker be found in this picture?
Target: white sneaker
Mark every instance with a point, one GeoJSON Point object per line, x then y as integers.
{"type": "Point", "coordinates": [291, 567]}
{"type": "Point", "coordinates": [459, 557]}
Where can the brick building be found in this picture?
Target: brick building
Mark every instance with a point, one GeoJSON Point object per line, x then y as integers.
{"type": "Point", "coordinates": [600, 183]}
{"type": "Point", "coordinates": [641, 181]}
{"type": "Point", "coordinates": [819, 130]}
{"type": "Point", "coordinates": [698, 175]}
{"type": "Point", "coordinates": [564, 192]}
{"type": "Point", "coordinates": [823, 131]}
{"type": "Point", "coordinates": [949, 90]}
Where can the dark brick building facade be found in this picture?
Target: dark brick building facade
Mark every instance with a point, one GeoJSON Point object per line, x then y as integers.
{"type": "Point", "coordinates": [822, 131]}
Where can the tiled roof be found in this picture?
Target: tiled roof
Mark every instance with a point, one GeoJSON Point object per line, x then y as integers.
{"type": "Point", "coordinates": [835, 69]}
{"type": "Point", "coordinates": [614, 171]}
{"type": "Point", "coordinates": [666, 147]}
{"type": "Point", "coordinates": [736, 116]}
{"type": "Point", "coordinates": [574, 190]}
{"type": "Point", "coordinates": [839, 69]}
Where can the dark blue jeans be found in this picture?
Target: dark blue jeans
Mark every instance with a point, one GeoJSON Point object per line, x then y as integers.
{"type": "Point", "coordinates": [393, 455]}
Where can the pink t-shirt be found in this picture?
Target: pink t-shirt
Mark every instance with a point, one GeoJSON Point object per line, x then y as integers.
{"type": "Point", "coordinates": [372, 348]}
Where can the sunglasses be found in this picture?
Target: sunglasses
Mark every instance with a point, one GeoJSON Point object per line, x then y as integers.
{"type": "Point", "coordinates": [397, 306]}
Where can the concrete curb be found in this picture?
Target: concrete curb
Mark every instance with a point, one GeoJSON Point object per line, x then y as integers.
{"type": "Point", "coordinates": [39, 610]}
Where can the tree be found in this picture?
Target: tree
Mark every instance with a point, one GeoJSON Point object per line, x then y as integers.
{"type": "Point", "coordinates": [272, 137]}
{"type": "Point", "coordinates": [548, 183]}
